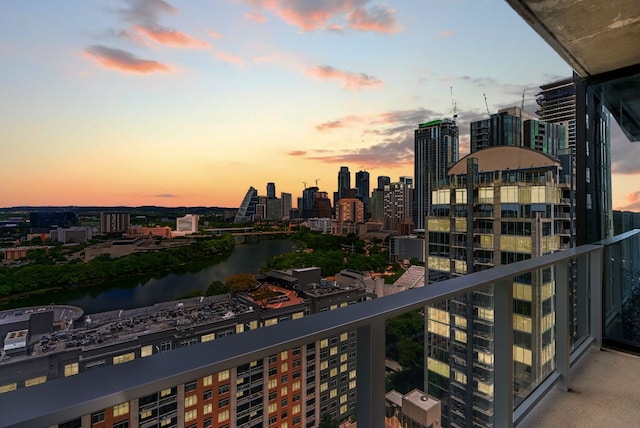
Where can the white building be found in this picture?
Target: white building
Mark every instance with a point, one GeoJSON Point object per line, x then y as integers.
{"type": "Point", "coordinates": [187, 224]}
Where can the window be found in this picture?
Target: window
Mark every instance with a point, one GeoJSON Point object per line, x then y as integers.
{"type": "Point", "coordinates": [97, 417]}
{"type": "Point", "coordinates": [165, 346]}
{"type": "Point", "coordinates": [222, 389]}
{"type": "Point", "coordinates": [207, 380]}
{"type": "Point", "coordinates": [71, 369]}
{"type": "Point", "coordinates": [223, 416]}
{"type": "Point", "coordinates": [273, 359]}
{"type": "Point", "coordinates": [118, 359]}
{"type": "Point", "coordinates": [207, 395]}
{"type": "Point", "coordinates": [207, 408]}
{"type": "Point", "coordinates": [35, 381]}
{"type": "Point", "coordinates": [190, 415]}
{"type": "Point", "coordinates": [284, 355]}
{"type": "Point", "coordinates": [146, 351]}
{"type": "Point", "coordinates": [191, 400]}
{"type": "Point", "coordinates": [120, 409]}
{"type": "Point", "coordinates": [123, 424]}
{"type": "Point", "coordinates": [207, 337]}
{"type": "Point", "coordinates": [223, 375]}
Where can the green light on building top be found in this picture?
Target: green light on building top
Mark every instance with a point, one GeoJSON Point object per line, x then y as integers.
{"type": "Point", "coordinates": [428, 124]}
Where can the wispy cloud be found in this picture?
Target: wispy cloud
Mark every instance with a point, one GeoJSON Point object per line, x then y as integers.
{"type": "Point", "coordinates": [446, 34]}
{"type": "Point", "coordinates": [227, 57]}
{"type": "Point", "coordinates": [311, 15]}
{"type": "Point", "coordinates": [170, 37]}
{"type": "Point", "coordinates": [380, 19]}
{"type": "Point", "coordinates": [256, 16]}
{"type": "Point", "coordinates": [297, 153]}
{"type": "Point", "coordinates": [123, 61]}
{"type": "Point", "coordinates": [389, 136]}
{"type": "Point", "coordinates": [165, 195]}
{"type": "Point", "coordinates": [349, 80]}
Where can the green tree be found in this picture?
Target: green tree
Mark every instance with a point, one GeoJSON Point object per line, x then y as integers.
{"type": "Point", "coordinates": [240, 282]}
{"type": "Point", "coordinates": [216, 288]}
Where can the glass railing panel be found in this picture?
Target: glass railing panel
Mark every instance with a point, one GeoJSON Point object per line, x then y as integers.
{"type": "Point", "coordinates": [621, 291]}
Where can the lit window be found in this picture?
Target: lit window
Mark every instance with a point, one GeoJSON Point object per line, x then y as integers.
{"type": "Point", "coordinates": [71, 369]}
{"type": "Point", "coordinates": [207, 408]}
{"type": "Point", "coordinates": [284, 355]}
{"type": "Point", "coordinates": [8, 387]}
{"type": "Point", "coordinates": [35, 381]}
{"type": "Point", "coordinates": [190, 415]}
{"type": "Point", "coordinates": [223, 375]}
{"type": "Point", "coordinates": [223, 416]}
{"type": "Point", "coordinates": [145, 351]}
{"type": "Point", "coordinates": [207, 380]}
{"type": "Point", "coordinates": [191, 400]}
{"type": "Point", "coordinates": [207, 337]}
{"type": "Point", "coordinates": [118, 359]}
{"type": "Point", "coordinates": [121, 409]}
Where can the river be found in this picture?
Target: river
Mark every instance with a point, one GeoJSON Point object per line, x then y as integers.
{"type": "Point", "coordinates": [135, 293]}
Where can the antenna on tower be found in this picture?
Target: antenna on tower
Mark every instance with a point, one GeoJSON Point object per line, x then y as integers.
{"type": "Point", "coordinates": [486, 105]}
{"type": "Point", "coordinates": [316, 180]}
{"type": "Point", "coordinates": [305, 184]}
{"type": "Point", "coordinates": [453, 104]}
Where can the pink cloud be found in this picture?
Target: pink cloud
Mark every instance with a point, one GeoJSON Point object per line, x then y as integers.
{"type": "Point", "coordinates": [120, 60]}
{"type": "Point", "coordinates": [340, 123]}
{"type": "Point", "coordinates": [170, 37]}
{"type": "Point", "coordinates": [255, 16]}
{"type": "Point", "coordinates": [226, 57]}
{"type": "Point", "coordinates": [297, 153]}
{"type": "Point", "coordinates": [351, 81]}
{"type": "Point", "coordinates": [634, 202]}
{"type": "Point", "coordinates": [380, 19]}
{"type": "Point", "coordinates": [215, 34]}
{"type": "Point", "coordinates": [310, 15]}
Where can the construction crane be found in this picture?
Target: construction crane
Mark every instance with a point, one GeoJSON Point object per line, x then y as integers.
{"type": "Point", "coordinates": [486, 105]}
{"type": "Point", "coordinates": [453, 104]}
{"type": "Point", "coordinates": [305, 184]}
{"type": "Point", "coordinates": [316, 180]}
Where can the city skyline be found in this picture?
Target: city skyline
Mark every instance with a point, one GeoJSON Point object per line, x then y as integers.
{"type": "Point", "coordinates": [159, 103]}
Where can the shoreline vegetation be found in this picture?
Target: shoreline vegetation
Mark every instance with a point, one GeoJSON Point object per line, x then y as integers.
{"type": "Point", "coordinates": [37, 279]}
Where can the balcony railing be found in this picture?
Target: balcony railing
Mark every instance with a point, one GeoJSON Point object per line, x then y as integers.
{"type": "Point", "coordinates": [63, 399]}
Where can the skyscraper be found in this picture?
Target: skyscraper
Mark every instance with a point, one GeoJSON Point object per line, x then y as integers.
{"type": "Point", "coordinates": [383, 180]}
{"type": "Point", "coordinates": [344, 183]}
{"type": "Point", "coordinates": [247, 207]}
{"type": "Point", "coordinates": [271, 190]}
{"type": "Point", "coordinates": [436, 149]}
{"type": "Point", "coordinates": [362, 184]}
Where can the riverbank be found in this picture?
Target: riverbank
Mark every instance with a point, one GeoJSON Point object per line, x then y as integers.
{"type": "Point", "coordinates": [19, 283]}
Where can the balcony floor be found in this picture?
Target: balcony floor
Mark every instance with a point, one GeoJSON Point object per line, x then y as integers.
{"type": "Point", "coordinates": [605, 386]}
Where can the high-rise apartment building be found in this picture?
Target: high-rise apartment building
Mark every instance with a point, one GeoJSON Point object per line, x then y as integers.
{"type": "Point", "coordinates": [557, 101]}
{"type": "Point", "coordinates": [116, 222]}
{"type": "Point", "coordinates": [383, 180]}
{"type": "Point", "coordinates": [350, 210]}
{"type": "Point", "coordinates": [493, 210]}
{"type": "Point", "coordinates": [286, 199]}
{"type": "Point", "coordinates": [436, 149]}
{"type": "Point", "coordinates": [398, 205]}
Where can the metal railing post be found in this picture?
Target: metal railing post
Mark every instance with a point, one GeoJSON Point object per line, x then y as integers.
{"type": "Point", "coordinates": [563, 336]}
{"type": "Point", "coordinates": [503, 354]}
{"type": "Point", "coordinates": [596, 295]}
{"type": "Point", "coordinates": [370, 376]}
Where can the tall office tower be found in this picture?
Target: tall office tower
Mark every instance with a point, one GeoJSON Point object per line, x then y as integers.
{"type": "Point", "coordinates": [261, 209]}
{"type": "Point", "coordinates": [247, 207]}
{"type": "Point", "coordinates": [493, 210]}
{"type": "Point", "coordinates": [307, 202]}
{"type": "Point", "coordinates": [407, 181]}
{"type": "Point", "coordinates": [544, 137]}
{"type": "Point", "coordinates": [274, 209]}
{"type": "Point", "coordinates": [271, 190]}
{"type": "Point", "coordinates": [377, 205]}
{"type": "Point", "coordinates": [383, 180]}
{"type": "Point", "coordinates": [436, 149]}
{"type": "Point", "coordinates": [398, 205]}
{"type": "Point", "coordinates": [286, 200]}
{"type": "Point", "coordinates": [344, 183]}
{"type": "Point", "coordinates": [362, 184]}
{"type": "Point", "coordinates": [114, 222]}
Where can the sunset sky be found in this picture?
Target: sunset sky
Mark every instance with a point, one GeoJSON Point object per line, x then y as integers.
{"type": "Point", "coordinates": [184, 103]}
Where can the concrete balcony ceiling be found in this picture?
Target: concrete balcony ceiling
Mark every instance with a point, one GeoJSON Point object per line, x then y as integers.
{"type": "Point", "coordinates": [595, 38]}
